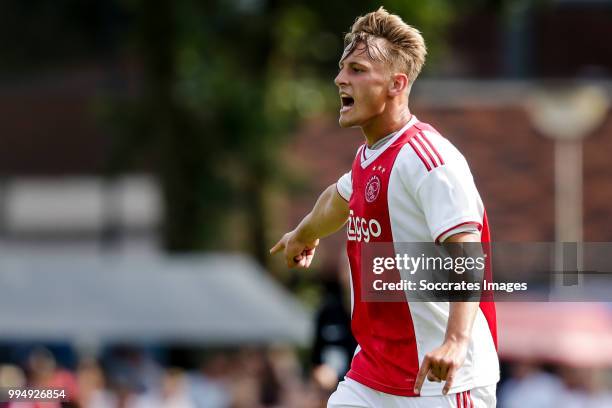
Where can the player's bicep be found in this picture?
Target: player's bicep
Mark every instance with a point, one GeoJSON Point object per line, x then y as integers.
{"type": "Point", "coordinates": [339, 206]}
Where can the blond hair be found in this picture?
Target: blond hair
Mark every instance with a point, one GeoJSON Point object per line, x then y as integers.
{"type": "Point", "coordinates": [402, 45]}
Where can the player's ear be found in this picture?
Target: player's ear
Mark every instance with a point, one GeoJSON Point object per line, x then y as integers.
{"type": "Point", "coordinates": [398, 84]}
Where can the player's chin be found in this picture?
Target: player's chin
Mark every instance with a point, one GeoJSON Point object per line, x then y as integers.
{"type": "Point", "coordinates": [345, 121]}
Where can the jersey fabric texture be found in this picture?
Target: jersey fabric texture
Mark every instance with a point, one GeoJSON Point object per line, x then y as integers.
{"type": "Point", "coordinates": [417, 187]}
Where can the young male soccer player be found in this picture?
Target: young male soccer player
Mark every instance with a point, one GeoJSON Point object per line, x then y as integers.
{"type": "Point", "coordinates": [407, 184]}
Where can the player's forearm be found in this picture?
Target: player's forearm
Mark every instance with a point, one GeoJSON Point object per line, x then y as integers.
{"type": "Point", "coordinates": [461, 314]}
{"type": "Point", "coordinates": [329, 213]}
{"type": "Point", "coordinates": [460, 321]}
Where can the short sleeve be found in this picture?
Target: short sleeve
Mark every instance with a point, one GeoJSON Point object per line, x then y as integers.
{"type": "Point", "coordinates": [450, 200]}
{"type": "Point", "coordinates": [345, 186]}
{"type": "Point", "coordinates": [471, 228]}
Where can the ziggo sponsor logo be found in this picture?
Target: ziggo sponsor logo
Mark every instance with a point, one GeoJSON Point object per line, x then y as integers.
{"type": "Point", "coordinates": [361, 229]}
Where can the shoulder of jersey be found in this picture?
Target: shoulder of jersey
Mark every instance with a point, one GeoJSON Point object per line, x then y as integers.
{"type": "Point", "coordinates": [426, 151]}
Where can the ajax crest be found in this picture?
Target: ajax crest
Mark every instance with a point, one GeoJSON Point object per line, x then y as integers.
{"type": "Point", "coordinates": [372, 189]}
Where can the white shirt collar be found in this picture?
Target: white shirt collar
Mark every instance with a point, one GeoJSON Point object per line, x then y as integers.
{"type": "Point", "coordinates": [377, 150]}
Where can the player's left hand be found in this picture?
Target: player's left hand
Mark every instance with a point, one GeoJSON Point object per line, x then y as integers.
{"type": "Point", "coordinates": [441, 364]}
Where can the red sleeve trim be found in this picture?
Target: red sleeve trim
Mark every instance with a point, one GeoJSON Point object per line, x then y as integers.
{"type": "Point", "coordinates": [479, 225]}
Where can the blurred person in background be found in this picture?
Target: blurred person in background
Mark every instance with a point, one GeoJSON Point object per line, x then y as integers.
{"type": "Point", "coordinates": [529, 387]}
{"type": "Point", "coordinates": [92, 385]}
{"type": "Point", "coordinates": [583, 387]}
{"type": "Point", "coordinates": [407, 184]}
{"type": "Point", "coordinates": [294, 391]}
{"type": "Point", "coordinates": [134, 367]}
{"type": "Point", "coordinates": [173, 392]}
{"type": "Point", "coordinates": [568, 386]}
{"type": "Point", "coordinates": [254, 382]}
{"type": "Point", "coordinates": [209, 385]}
{"type": "Point", "coordinates": [123, 392]}
{"type": "Point", "coordinates": [43, 372]}
{"type": "Point", "coordinates": [334, 343]}
{"type": "Point", "coordinates": [11, 376]}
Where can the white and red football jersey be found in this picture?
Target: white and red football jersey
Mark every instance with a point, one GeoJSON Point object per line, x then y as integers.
{"type": "Point", "coordinates": [416, 187]}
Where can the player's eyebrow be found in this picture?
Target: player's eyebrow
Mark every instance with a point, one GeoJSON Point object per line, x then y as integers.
{"type": "Point", "coordinates": [341, 64]}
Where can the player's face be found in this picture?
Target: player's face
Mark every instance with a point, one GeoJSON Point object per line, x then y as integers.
{"type": "Point", "coordinates": [362, 84]}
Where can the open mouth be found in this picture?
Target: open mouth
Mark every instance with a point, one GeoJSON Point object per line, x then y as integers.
{"type": "Point", "coordinates": [347, 102]}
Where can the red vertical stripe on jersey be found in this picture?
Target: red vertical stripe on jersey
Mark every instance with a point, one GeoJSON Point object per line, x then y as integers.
{"type": "Point", "coordinates": [465, 399]}
{"type": "Point", "coordinates": [426, 150]}
{"type": "Point", "coordinates": [388, 360]}
{"type": "Point", "coordinates": [458, 395]}
{"type": "Point", "coordinates": [432, 147]}
{"type": "Point", "coordinates": [488, 307]}
{"type": "Point", "coordinates": [420, 155]}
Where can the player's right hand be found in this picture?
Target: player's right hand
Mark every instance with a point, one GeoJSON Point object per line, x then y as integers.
{"type": "Point", "coordinates": [297, 253]}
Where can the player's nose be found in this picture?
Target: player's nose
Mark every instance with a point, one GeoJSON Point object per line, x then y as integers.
{"type": "Point", "coordinates": [340, 79]}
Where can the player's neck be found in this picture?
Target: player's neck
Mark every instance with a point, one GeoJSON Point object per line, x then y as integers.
{"type": "Point", "coordinates": [385, 124]}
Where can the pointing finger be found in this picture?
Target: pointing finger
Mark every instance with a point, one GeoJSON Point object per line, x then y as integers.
{"type": "Point", "coordinates": [450, 377]}
{"type": "Point", "coordinates": [279, 246]}
{"type": "Point", "coordinates": [421, 375]}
